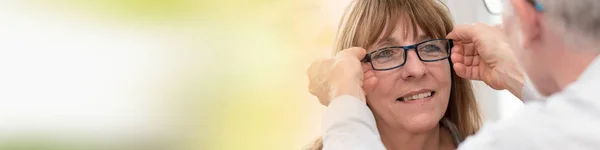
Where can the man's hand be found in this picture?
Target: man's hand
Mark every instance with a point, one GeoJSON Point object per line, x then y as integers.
{"type": "Point", "coordinates": [482, 52]}
{"type": "Point", "coordinates": [343, 74]}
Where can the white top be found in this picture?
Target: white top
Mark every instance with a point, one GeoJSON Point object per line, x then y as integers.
{"type": "Point", "coordinates": [569, 119]}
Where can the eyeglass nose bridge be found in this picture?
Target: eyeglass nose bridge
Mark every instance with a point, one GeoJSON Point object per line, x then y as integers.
{"type": "Point", "coordinates": [406, 48]}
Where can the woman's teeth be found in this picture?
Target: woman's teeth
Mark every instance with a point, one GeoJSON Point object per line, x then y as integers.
{"type": "Point", "coordinates": [417, 96]}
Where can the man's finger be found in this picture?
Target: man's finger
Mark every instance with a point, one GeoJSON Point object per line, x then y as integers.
{"type": "Point", "coordinates": [313, 69]}
{"type": "Point", "coordinates": [460, 70]}
{"type": "Point", "coordinates": [467, 72]}
{"type": "Point", "coordinates": [468, 60]}
{"type": "Point", "coordinates": [354, 52]}
{"type": "Point", "coordinates": [461, 33]}
{"type": "Point", "coordinates": [457, 58]}
{"type": "Point", "coordinates": [457, 48]}
{"type": "Point", "coordinates": [476, 60]}
{"type": "Point", "coordinates": [474, 72]}
{"type": "Point", "coordinates": [469, 49]}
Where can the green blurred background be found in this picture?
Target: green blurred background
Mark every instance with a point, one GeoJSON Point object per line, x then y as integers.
{"type": "Point", "coordinates": [232, 71]}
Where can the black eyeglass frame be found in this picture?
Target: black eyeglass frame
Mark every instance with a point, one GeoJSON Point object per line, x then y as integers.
{"type": "Point", "coordinates": [367, 58]}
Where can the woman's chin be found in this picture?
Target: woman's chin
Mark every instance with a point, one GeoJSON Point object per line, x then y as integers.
{"type": "Point", "coordinates": [421, 120]}
{"type": "Point", "coordinates": [420, 123]}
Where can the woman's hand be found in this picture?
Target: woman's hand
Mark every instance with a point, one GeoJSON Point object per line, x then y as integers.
{"type": "Point", "coordinates": [482, 52]}
{"type": "Point", "coordinates": [340, 75]}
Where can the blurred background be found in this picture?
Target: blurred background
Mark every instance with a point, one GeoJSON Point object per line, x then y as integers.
{"type": "Point", "coordinates": [174, 74]}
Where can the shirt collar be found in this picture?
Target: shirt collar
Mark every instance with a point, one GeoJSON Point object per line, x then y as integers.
{"type": "Point", "coordinates": [591, 72]}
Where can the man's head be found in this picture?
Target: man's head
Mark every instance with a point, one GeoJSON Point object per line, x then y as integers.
{"type": "Point", "coordinates": [555, 40]}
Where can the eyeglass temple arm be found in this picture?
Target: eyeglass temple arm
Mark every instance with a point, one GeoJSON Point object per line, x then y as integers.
{"type": "Point", "coordinates": [537, 5]}
{"type": "Point", "coordinates": [366, 59]}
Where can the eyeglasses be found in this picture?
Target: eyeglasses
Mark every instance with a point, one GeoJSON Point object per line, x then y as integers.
{"type": "Point", "coordinates": [389, 58]}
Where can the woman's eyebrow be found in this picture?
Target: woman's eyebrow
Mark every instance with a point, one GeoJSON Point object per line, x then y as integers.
{"type": "Point", "coordinates": [393, 41]}
{"type": "Point", "coordinates": [388, 40]}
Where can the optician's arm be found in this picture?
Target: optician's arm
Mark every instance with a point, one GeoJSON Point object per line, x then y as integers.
{"type": "Point", "coordinates": [349, 125]}
{"type": "Point", "coordinates": [521, 87]}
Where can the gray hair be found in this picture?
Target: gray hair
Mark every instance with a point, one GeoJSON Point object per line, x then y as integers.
{"type": "Point", "coordinates": [578, 20]}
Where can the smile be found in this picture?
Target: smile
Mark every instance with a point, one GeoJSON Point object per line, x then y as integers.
{"type": "Point", "coordinates": [416, 96]}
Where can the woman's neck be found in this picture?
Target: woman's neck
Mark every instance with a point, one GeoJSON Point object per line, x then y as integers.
{"type": "Point", "coordinates": [395, 139]}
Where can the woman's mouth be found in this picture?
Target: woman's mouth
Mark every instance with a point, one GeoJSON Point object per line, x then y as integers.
{"type": "Point", "coordinates": [417, 96]}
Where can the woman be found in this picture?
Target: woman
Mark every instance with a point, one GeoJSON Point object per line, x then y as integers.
{"type": "Point", "coordinates": [418, 101]}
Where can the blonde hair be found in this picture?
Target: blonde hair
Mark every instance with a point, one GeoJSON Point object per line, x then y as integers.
{"type": "Point", "coordinates": [366, 20]}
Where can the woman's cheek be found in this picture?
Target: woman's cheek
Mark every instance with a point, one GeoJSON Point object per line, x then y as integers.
{"type": "Point", "coordinates": [386, 84]}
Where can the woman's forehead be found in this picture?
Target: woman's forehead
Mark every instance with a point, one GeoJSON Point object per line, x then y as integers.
{"type": "Point", "coordinates": [401, 35]}
{"type": "Point", "coordinates": [395, 38]}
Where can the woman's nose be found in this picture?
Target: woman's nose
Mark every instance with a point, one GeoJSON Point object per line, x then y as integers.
{"type": "Point", "coordinates": [413, 67]}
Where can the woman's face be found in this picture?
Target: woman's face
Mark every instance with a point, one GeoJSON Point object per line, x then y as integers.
{"type": "Point", "coordinates": [391, 100]}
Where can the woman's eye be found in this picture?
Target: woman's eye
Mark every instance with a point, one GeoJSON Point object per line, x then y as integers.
{"type": "Point", "coordinates": [385, 54]}
{"type": "Point", "coordinates": [431, 48]}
